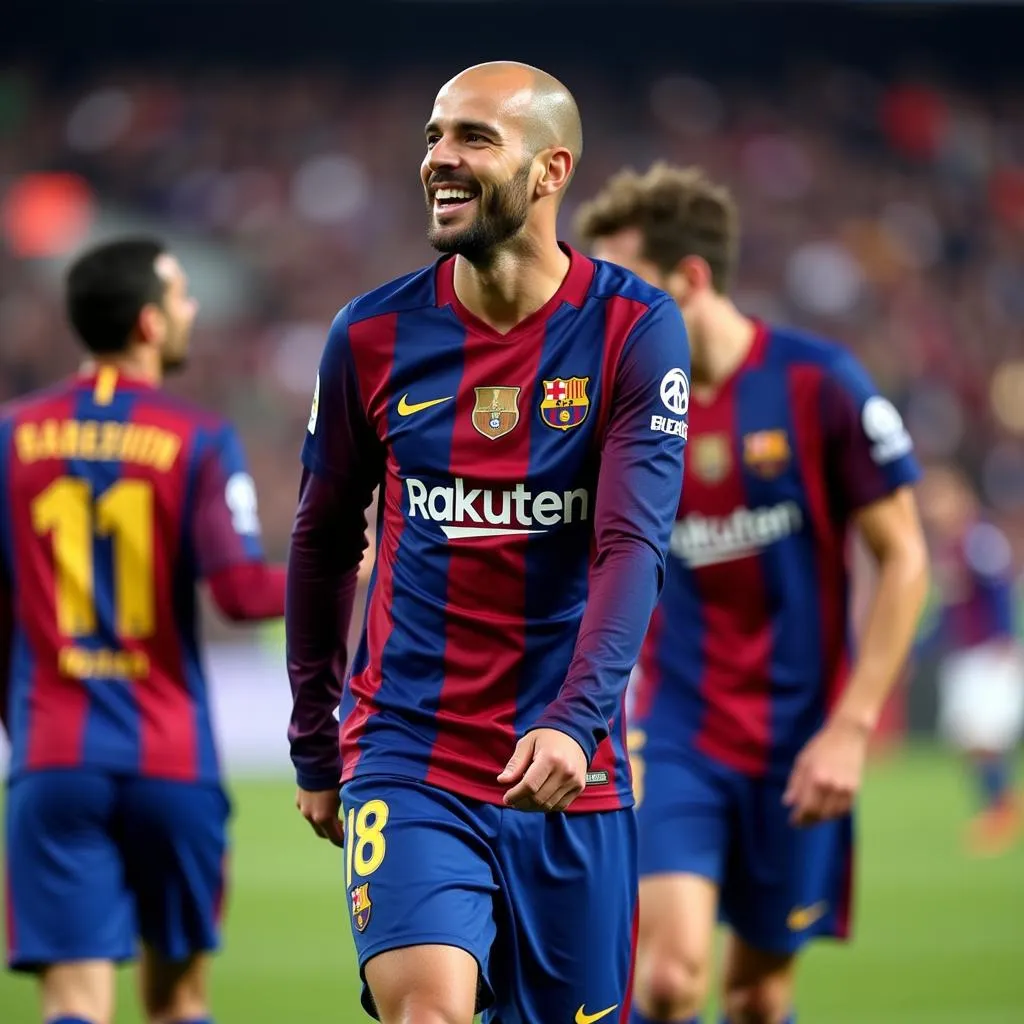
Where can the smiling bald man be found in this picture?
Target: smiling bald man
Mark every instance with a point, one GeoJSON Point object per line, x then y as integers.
{"type": "Point", "coordinates": [522, 410]}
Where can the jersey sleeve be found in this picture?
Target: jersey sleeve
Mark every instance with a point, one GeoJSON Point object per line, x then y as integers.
{"type": "Point", "coordinates": [225, 518]}
{"type": "Point", "coordinates": [638, 489]}
{"type": "Point", "coordinates": [343, 463]}
{"type": "Point", "coordinates": [868, 450]}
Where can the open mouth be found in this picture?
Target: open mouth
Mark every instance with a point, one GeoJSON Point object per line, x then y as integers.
{"type": "Point", "coordinates": [448, 201]}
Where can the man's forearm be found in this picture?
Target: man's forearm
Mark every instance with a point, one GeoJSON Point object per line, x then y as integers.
{"type": "Point", "coordinates": [624, 587]}
{"type": "Point", "coordinates": [322, 575]}
{"type": "Point", "coordinates": [889, 631]}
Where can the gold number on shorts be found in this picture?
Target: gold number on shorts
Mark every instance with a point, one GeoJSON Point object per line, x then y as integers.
{"type": "Point", "coordinates": [635, 740]}
{"type": "Point", "coordinates": [364, 838]}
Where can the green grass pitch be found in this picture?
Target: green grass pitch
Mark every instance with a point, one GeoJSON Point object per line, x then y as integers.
{"type": "Point", "coordinates": [939, 937]}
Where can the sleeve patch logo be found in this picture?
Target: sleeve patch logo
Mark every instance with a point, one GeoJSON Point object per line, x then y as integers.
{"type": "Point", "coordinates": [240, 496]}
{"type": "Point", "coordinates": [311, 426]}
{"type": "Point", "coordinates": [675, 392]}
{"type": "Point", "coordinates": [884, 427]}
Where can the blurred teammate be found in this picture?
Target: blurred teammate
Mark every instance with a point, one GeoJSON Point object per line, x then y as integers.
{"type": "Point", "coordinates": [981, 677]}
{"type": "Point", "coordinates": [750, 726]}
{"type": "Point", "coordinates": [114, 500]}
{"type": "Point", "coordinates": [523, 410]}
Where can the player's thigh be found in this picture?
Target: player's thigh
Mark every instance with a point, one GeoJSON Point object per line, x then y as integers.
{"type": "Point", "coordinates": [420, 874]}
{"type": "Point", "coordinates": [569, 884]}
{"type": "Point", "coordinates": [785, 885]}
{"type": "Point", "coordinates": [68, 899]}
{"type": "Point", "coordinates": [424, 982]}
{"type": "Point", "coordinates": [174, 838]}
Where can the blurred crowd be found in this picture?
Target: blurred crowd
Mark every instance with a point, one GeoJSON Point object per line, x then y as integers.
{"type": "Point", "coordinates": [888, 215]}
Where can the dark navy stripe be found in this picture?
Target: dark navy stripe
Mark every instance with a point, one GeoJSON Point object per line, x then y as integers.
{"type": "Point", "coordinates": [412, 662]}
{"type": "Point", "coordinates": [112, 725]}
{"type": "Point", "coordinates": [789, 566]}
{"type": "Point", "coordinates": [185, 572]}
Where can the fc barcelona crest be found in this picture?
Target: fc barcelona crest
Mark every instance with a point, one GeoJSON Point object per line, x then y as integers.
{"type": "Point", "coordinates": [766, 452]}
{"type": "Point", "coordinates": [565, 404]}
{"type": "Point", "coordinates": [496, 411]}
{"type": "Point", "coordinates": [361, 906]}
{"type": "Point", "coordinates": [711, 457]}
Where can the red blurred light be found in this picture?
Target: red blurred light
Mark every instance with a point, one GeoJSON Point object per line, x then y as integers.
{"type": "Point", "coordinates": [46, 214]}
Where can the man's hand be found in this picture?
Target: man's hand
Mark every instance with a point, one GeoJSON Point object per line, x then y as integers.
{"type": "Point", "coordinates": [548, 769]}
{"type": "Point", "coordinates": [320, 809]}
{"type": "Point", "coordinates": [827, 775]}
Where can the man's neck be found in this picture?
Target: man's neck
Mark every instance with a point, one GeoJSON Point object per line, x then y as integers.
{"type": "Point", "coordinates": [512, 286]}
{"type": "Point", "coordinates": [133, 364]}
{"type": "Point", "coordinates": [725, 342]}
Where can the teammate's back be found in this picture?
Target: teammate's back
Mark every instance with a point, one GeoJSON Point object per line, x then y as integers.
{"type": "Point", "coordinates": [115, 500]}
{"type": "Point", "coordinates": [111, 491]}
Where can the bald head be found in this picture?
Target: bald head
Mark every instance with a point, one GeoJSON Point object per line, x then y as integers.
{"type": "Point", "coordinates": [501, 145]}
{"type": "Point", "coordinates": [543, 106]}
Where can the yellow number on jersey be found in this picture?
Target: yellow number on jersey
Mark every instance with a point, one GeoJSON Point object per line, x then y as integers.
{"type": "Point", "coordinates": [365, 844]}
{"type": "Point", "coordinates": [125, 514]}
{"type": "Point", "coordinates": [635, 740]}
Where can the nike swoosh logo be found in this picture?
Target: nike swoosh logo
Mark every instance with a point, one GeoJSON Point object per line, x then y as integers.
{"type": "Point", "coordinates": [582, 1017]}
{"type": "Point", "coordinates": [407, 408]}
{"type": "Point", "coordinates": [801, 918]}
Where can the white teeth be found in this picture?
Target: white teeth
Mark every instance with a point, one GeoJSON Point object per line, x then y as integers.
{"type": "Point", "coordinates": [452, 193]}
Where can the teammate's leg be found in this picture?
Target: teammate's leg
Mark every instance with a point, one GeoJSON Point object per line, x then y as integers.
{"type": "Point", "coordinates": [981, 711]}
{"type": "Point", "coordinates": [757, 984]}
{"type": "Point", "coordinates": [420, 874]}
{"type": "Point", "coordinates": [997, 824]}
{"type": "Point", "coordinates": [174, 991]}
{"type": "Point", "coordinates": [683, 814]}
{"type": "Point", "coordinates": [783, 887]}
{"type": "Point", "coordinates": [70, 916]}
{"type": "Point", "coordinates": [174, 838]}
{"type": "Point", "coordinates": [674, 948]}
{"type": "Point", "coordinates": [79, 991]}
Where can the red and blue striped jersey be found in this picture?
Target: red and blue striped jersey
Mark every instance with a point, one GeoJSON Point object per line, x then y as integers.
{"type": "Point", "coordinates": [749, 648]}
{"type": "Point", "coordinates": [529, 481]}
{"type": "Point", "coordinates": [974, 581]}
{"type": "Point", "coordinates": [115, 498]}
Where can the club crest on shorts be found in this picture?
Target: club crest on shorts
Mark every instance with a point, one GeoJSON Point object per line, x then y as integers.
{"type": "Point", "coordinates": [565, 403]}
{"type": "Point", "coordinates": [710, 457]}
{"type": "Point", "coordinates": [766, 452]}
{"type": "Point", "coordinates": [496, 411]}
{"type": "Point", "coordinates": [361, 906]}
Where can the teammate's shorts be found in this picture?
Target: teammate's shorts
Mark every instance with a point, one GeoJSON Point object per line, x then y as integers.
{"type": "Point", "coordinates": [779, 885]}
{"type": "Point", "coordinates": [981, 698]}
{"type": "Point", "coordinates": [544, 902]}
{"type": "Point", "coordinates": [96, 861]}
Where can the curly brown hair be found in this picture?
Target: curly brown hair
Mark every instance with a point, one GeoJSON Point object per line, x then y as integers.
{"type": "Point", "coordinates": [679, 212]}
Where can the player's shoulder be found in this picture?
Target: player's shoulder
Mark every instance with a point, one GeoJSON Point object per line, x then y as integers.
{"type": "Point", "coordinates": [404, 294]}
{"type": "Point", "coordinates": [792, 348]}
{"type": "Point", "coordinates": [611, 281]}
{"type": "Point", "coordinates": [36, 404]}
{"type": "Point", "coordinates": [176, 410]}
